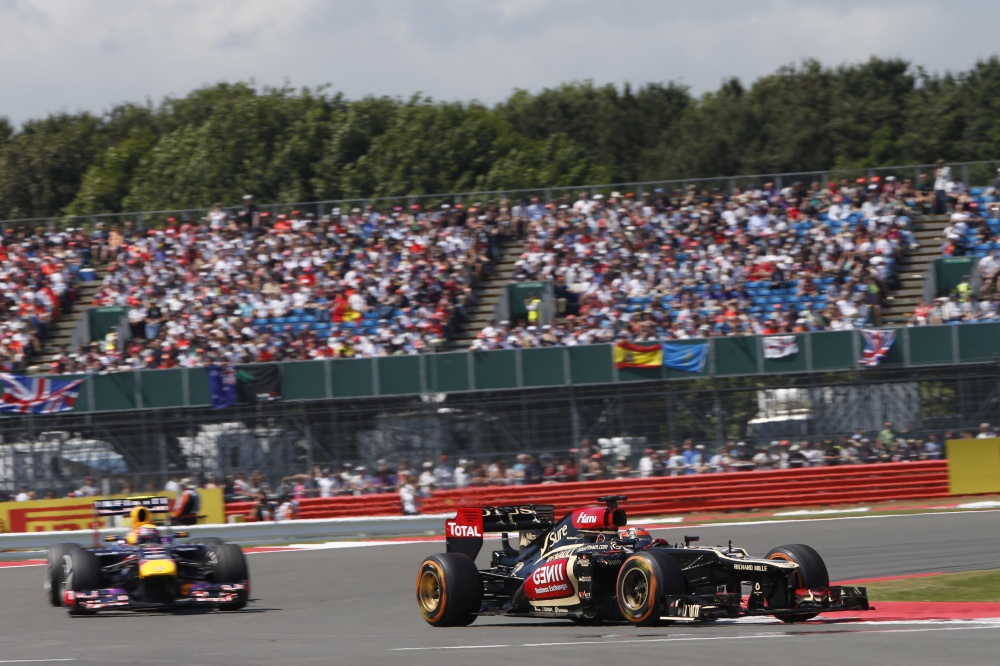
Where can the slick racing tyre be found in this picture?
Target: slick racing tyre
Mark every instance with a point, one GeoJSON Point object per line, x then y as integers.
{"type": "Point", "coordinates": [56, 565]}
{"type": "Point", "coordinates": [449, 590]}
{"type": "Point", "coordinates": [84, 574]}
{"type": "Point", "coordinates": [231, 567]}
{"type": "Point", "coordinates": [643, 581]}
{"type": "Point", "coordinates": [812, 573]}
{"type": "Point", "coordinates": [210, 542]}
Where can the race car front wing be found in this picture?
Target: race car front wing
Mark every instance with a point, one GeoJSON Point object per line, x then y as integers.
{"type": "Point", "coordinates": [836, 598]}
{"type": "Point", "coordinates": [190, 593]}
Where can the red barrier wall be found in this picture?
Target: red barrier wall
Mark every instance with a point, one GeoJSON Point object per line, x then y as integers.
{"type": "Point", "coordinates": [817, 486]}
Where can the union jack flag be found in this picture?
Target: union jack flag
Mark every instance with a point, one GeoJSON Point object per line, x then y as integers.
{"type": "Point", "coordinates": [37, 395]}
{"type": "Point", "coordinates": [877, 345]}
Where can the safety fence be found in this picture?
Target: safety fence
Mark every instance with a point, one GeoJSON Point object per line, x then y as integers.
{"type": "Point", "coordinates": [730, 491]}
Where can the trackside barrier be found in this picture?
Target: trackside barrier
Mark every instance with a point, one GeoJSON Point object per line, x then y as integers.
{"type": "Point", "coordinates": [647, 497]}
{"type": "Point", "coordinates": [249, 533]}
{"type": "Point", "coordinates": [816, 486]}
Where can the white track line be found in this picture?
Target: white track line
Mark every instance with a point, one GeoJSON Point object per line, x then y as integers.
{"type": "Point", "coordinates": [31, 661]}
{"type": "Point", "coordinates": [821, 512]}
{"type": "Point", "coordinates": [573, 643]}
{"type": "Point", "coordinates": [827, 520]}
{"type": "Point", "coordinates": [678, 639]}
{"type": "Point", "coordinates": [655, 525]}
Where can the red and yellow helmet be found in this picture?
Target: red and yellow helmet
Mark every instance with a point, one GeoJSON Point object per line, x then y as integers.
{"type": "Point", "coordinates": [640, 536]}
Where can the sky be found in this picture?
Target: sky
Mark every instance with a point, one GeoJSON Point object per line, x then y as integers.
{"type": "Point", "coordinates": [73, 55]}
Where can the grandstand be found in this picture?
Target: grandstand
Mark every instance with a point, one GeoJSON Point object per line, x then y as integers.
{"type": "Point", "coordinates": [673, 262]}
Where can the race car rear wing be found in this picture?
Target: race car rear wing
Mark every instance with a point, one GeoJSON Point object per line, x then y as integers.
{"type": "Point", "coordinates": [464, 532]}
{"type": "Point", "coordinates": [123, 507]}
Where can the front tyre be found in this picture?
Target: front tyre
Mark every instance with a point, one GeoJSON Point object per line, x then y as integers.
{"type": "Point", "coordinates": [84, 575]}
{"type": "Point", "coordinates": [56, 567]}
{"type": "Point", "coordinates": [643, 581]}
{"type": "Point", "coordinates": [812, 573]}
{"type": "Point", "coordinates": [449, 590]}
{"type": "Point", "coordinates": [231, 567]}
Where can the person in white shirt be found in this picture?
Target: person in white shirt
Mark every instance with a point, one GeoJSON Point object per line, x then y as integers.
{"type": "Point", "coordinates": [462, 474]}
{"type": "Point", "coordinates": [408, 497]}
{"type": "Point", "coordinates": [646, 464]}
{"type": "Point", "coordinates": [427, 479]}
{"type": "Point", "coordinates": [677, 463]}
{"type": "Point", "coordinates": [326, 484]}
{"type": "Point", "coordinates": [988, 267]}
{"type": "Point", "coordinates": [942, 175]}
{"type": "Point", "coordinates": [951, 311]}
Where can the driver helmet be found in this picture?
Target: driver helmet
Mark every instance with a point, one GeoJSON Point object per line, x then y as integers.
{"type": "Point", "coordinates": [147, 534]}
{"type": "Point", "coordinates": [640, 535]}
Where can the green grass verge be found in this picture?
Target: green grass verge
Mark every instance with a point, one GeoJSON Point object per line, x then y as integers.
{"type": "Point", "coordinates": [965, 586]}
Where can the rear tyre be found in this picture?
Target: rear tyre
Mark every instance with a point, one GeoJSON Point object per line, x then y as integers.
{"type": "Point", "coordinates": [643, 581]}
{"type": "Point", "coordinates": [56, 566]}
{"type": "Point", "coordinates": [84, 575]}
{"type": "Point", "coordinates": [210, 542]}
{"type": "Point", "coordinates": [812, 573]}
{"type": "Point", "coordinates": [449, 590]}
{"type": "Point", "coordinates": [231, 567]}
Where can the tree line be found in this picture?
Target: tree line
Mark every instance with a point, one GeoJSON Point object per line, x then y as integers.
{"type": "Point", "coordinates": [287, 144]}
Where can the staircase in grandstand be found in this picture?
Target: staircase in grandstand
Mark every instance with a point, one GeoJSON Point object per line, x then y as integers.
{"type": "Point", "coordinates": [61, 331]}
{"type": "Point", "coordinates": [913, 268]}
{"type": "Point", "coordinates": [488, 294]}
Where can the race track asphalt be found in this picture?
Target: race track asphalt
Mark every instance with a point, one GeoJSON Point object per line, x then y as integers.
{"type": "Point", "coordinates": [356, 605]}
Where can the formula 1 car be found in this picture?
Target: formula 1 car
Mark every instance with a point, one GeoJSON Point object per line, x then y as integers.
{"type": "Point", "coordinates": [583, 569]}
{"type": "Point", "coordinates": [145, 568]}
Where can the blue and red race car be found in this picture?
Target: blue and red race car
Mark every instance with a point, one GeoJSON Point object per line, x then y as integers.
{"type": "Point", "coordinates": [146, 567]}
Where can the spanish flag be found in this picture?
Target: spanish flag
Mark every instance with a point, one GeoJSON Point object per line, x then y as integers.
{"type": "Point", "coordinates": [638, 355]}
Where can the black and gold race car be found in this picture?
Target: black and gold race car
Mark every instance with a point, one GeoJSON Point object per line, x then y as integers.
{"type": "Point", "coordinates": [145, 567]}
{"type": "Point", "coordinates": [587, 567]}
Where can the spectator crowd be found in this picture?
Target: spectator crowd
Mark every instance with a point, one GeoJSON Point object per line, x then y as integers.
{"type": "Point", "coordinates": [249, 286]}
{"type": "Point", "coordinates": [762, 260]}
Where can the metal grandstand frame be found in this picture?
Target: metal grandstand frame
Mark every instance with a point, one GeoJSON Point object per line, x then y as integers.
{"type": "Point", "coordinates": [970, 172]}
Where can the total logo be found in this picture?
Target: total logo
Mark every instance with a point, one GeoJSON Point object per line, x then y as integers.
{"type": "Point", "coordinates": [553, 572]}
{"type": "Point", "coordinates": [455, 530]}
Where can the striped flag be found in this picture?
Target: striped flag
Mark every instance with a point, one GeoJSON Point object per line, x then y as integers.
{"type": "Point", "coordinates": [638, 355]}
{"type": "Point", "coordinates": [780, 346]}
{"type": "Point", "coordinates": [37, 395]}
{"type": "Point", "coordinates": [877, 344]}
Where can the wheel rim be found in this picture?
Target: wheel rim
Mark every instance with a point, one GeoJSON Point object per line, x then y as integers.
{"type": "Point", "coordinates": [429, 592]}
{"type": "Point", "coordinates": [635, 590]}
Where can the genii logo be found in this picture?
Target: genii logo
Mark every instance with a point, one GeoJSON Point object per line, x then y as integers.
{"type": "Point", "coordinates": [549, 581]}
{"type": "Point", "coordinates": [553, 572]}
